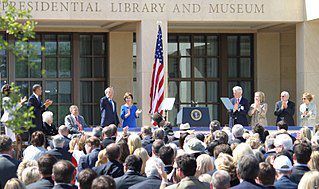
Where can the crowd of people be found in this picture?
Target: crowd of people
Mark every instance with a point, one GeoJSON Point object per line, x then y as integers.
{"type": "Point", "coordinates": [158, 157]}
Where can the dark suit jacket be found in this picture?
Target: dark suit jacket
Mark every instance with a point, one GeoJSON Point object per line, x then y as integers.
{"type": "Point", "coordinates": [286, 115]}
{"type": "Point", "coordinates": [8, 169]}
{"type": "Point", "coordinates": [49, 130]}
{"type": "Point", "coordinates": [151, 182]}
{"type": "Point", "coordinates": [39, 108]}
{"type": "Point", "coordinates": [65, 186]}
{"type": "Point", "coordinates": [108, 116]}
{"type": "Point", "coordinates": [297, 172]}
{"type": "Point", "coordinates": [128, 179]}
{"type": "Point", "coordinates": [108, 141]}
{"type": "Point", "coordinates": [73, 127]}
{"type": "Point", "coordinates": [88, 161]}
{"type": "Point", "coordinates": [285, 183]}
{"type": "Point", "coordinates": [60, 153]}
{"type": "Point", "coordinates": [44, 183]}
{"type": "Point", "coordinates": [248, 184]}
{"type": "Point", "coordinates": [112, 168]}
{"type": "Point", "coordinates": [239, 116]}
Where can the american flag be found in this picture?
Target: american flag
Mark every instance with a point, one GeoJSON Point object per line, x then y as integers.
{"type": "Point", "coordinates": [157, 85]}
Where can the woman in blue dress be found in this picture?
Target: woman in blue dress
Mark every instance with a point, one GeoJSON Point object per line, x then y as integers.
{"type": "Point", "coordinates": [129, 112]}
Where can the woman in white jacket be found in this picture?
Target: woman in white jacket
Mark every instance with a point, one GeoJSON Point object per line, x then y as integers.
{"type": "Point", "coordinates": [7, 114]}
{"type": "Point", "coordinates": [308, 111]}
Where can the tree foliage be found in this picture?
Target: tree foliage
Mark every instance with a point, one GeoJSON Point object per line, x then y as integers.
{"type": "Point", "coordinates": [18, 24]}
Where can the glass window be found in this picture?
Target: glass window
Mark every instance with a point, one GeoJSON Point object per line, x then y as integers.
{"type": "Point", "coordinates": [3, 62]}
{"type": "Point", "coordinates": [199, 73]}
{"type": "Point", "coordinates": [92, 75]}
{"type": "Point", "coordinates": [52, 70]}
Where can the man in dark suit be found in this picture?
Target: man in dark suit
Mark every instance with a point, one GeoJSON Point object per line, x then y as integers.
{"type": "Point", "coordinates": [241, 106]}
{"type": "Point", "coordinates": [132, 168]}
{"type": "Point", "coordinates": [302, 154]}
{"type": "Point", "coordinates": [283, 167]}
{"type": "Point", "coordinates": [45, 164]}
{"type": "Point", "coordinates": [63, 175]}
{"type": "Point", "coordinates": [92, 147]}
{"type": "Point", "coordinates": [113, 167]}
{"type": "Point", "coordinates": [285, 109]}
{"type": "Point", "coordinates": [8, 165]}
{"type": "Point", "coordinates": [248, 169]}
{"type": "Point", "coordinates": [74, 122]}
{"type": "Point", "coordinates": [153, 179]}
{"type": "Point", "coordinates": [108, 109]}
{"type": "Point", "coordinates": [109, 135]}
{"type": "Point", "coordinates": [39, 107]}
{"type": "Point", "coordinates": [58, 151]}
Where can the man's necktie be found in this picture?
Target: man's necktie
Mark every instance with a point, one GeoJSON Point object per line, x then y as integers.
{"type": "Point", "coordinates": [79, 124]}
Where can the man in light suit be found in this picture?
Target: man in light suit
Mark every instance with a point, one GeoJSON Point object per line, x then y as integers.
{"type": "Point", "coordinates": [39, 107]}
{"type": "Point", "coordinates": [285, 109]}
{"type": "Point", "coordinates": [108, 109]}
{"type": "Point", "coordinates": [241, 106]}
{"type": "Point", "coordinates": [74, 122]}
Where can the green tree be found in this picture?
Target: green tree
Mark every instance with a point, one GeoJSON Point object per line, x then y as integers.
{"type": "Point", "coordinates": [18, 23]}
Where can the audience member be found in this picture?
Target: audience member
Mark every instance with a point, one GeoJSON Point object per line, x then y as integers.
{"type": "Point", "coordinates": [30, 175]}
{"type": "Point", "coordinates": [58, 151]}
{"type": "Point", "coordinates": [314, 161]}
{"type": "Point", "coordinates": [146, 135]}
{"type": "Point", "coordinates": [302, 154]}
{"type": "Point", "coordinates": [238, 131]}
{"type": "Point", "coordinates": [63, 175]}
{"type": "Point", "coordinates": [134, 142]}
{"type": "Point", "coordinates": [25, 164]}
{"type": "Point", "coordinates": [102, 158]}
{"type": "Point", "coordinates": [125, 151]}
{"type": "Point", "coordinates": [109, 134]}
{"type": "Point", "coordinates": [220, 180]}
{"type": "Point", "coordinates": [97, 132]}
{"type": "Point", "coordinates": [283, 167]}
{"type": "Point", "coordinates": [35, 150]}
{"type": "Point", "coordinates": [113, 167]}
{"type": "Point", "coordinates": [103, 182]}
{"type": "Point", "coordinates": [142, 153]}
{"type": "Point", "coordinates": [204, 167]}
{"type": "Point", "coordinates": [167, 155]}
{"type": "Point", "coordinates": [186, 170]}
{"type": "Point", "coordinates": [64, 131]}
{"type": "Point", "coordinates": [8, 165]}
{"type": "Point", "coordinates": [266, 175]}
{"type": "Point", "coordinates": [310, 180]}
{"type": "Point", "coordinates": [86, 178]}
{"type": "Point", "coordinates": [92, 148]}
{"type": "Point", "coordinates": [153, 177]}
{"type": "Point", "coordinates": [14, 183]}
{"type": "Point", "coordinates": [222, 148]}
{"type": "Point", "coordinates": [132, 176]}
{"type": "Point", "coordinates": [45, 164]}
{"type": "Point", "coordinates": [226, 163]}
{"type": "Point", "coordinates": [156, 146]}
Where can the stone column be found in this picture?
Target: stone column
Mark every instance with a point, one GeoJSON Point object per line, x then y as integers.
{"type": "Point", "coordinates": [120, 64]}
{"type": "Point", "coordinates": [307, 51]}
{"type": "Point", "coordinates": [146, 34]}
{"type": "Point", "coordinates": [268, 70]}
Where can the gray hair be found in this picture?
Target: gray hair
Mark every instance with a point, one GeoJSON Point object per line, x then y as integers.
{"type": "Point", "coordinates": [151, 166]}
{"type": "Point", "coordinates": [46, 116]}
{"type": "Point", "coordinates": [58, 141]}
{"type": "Point", "coordinates": [238, 130]}
{"type": "Point", "coordinates": [284, 140]}
{"type": "Point", "coordinates": [238, 89]}
{"type": "Point", "coordinates": [221, 180]}
{"type": "Point", "coordinates": [285, 93]}
{"type": "Point", "coordinates": [108, 89]}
